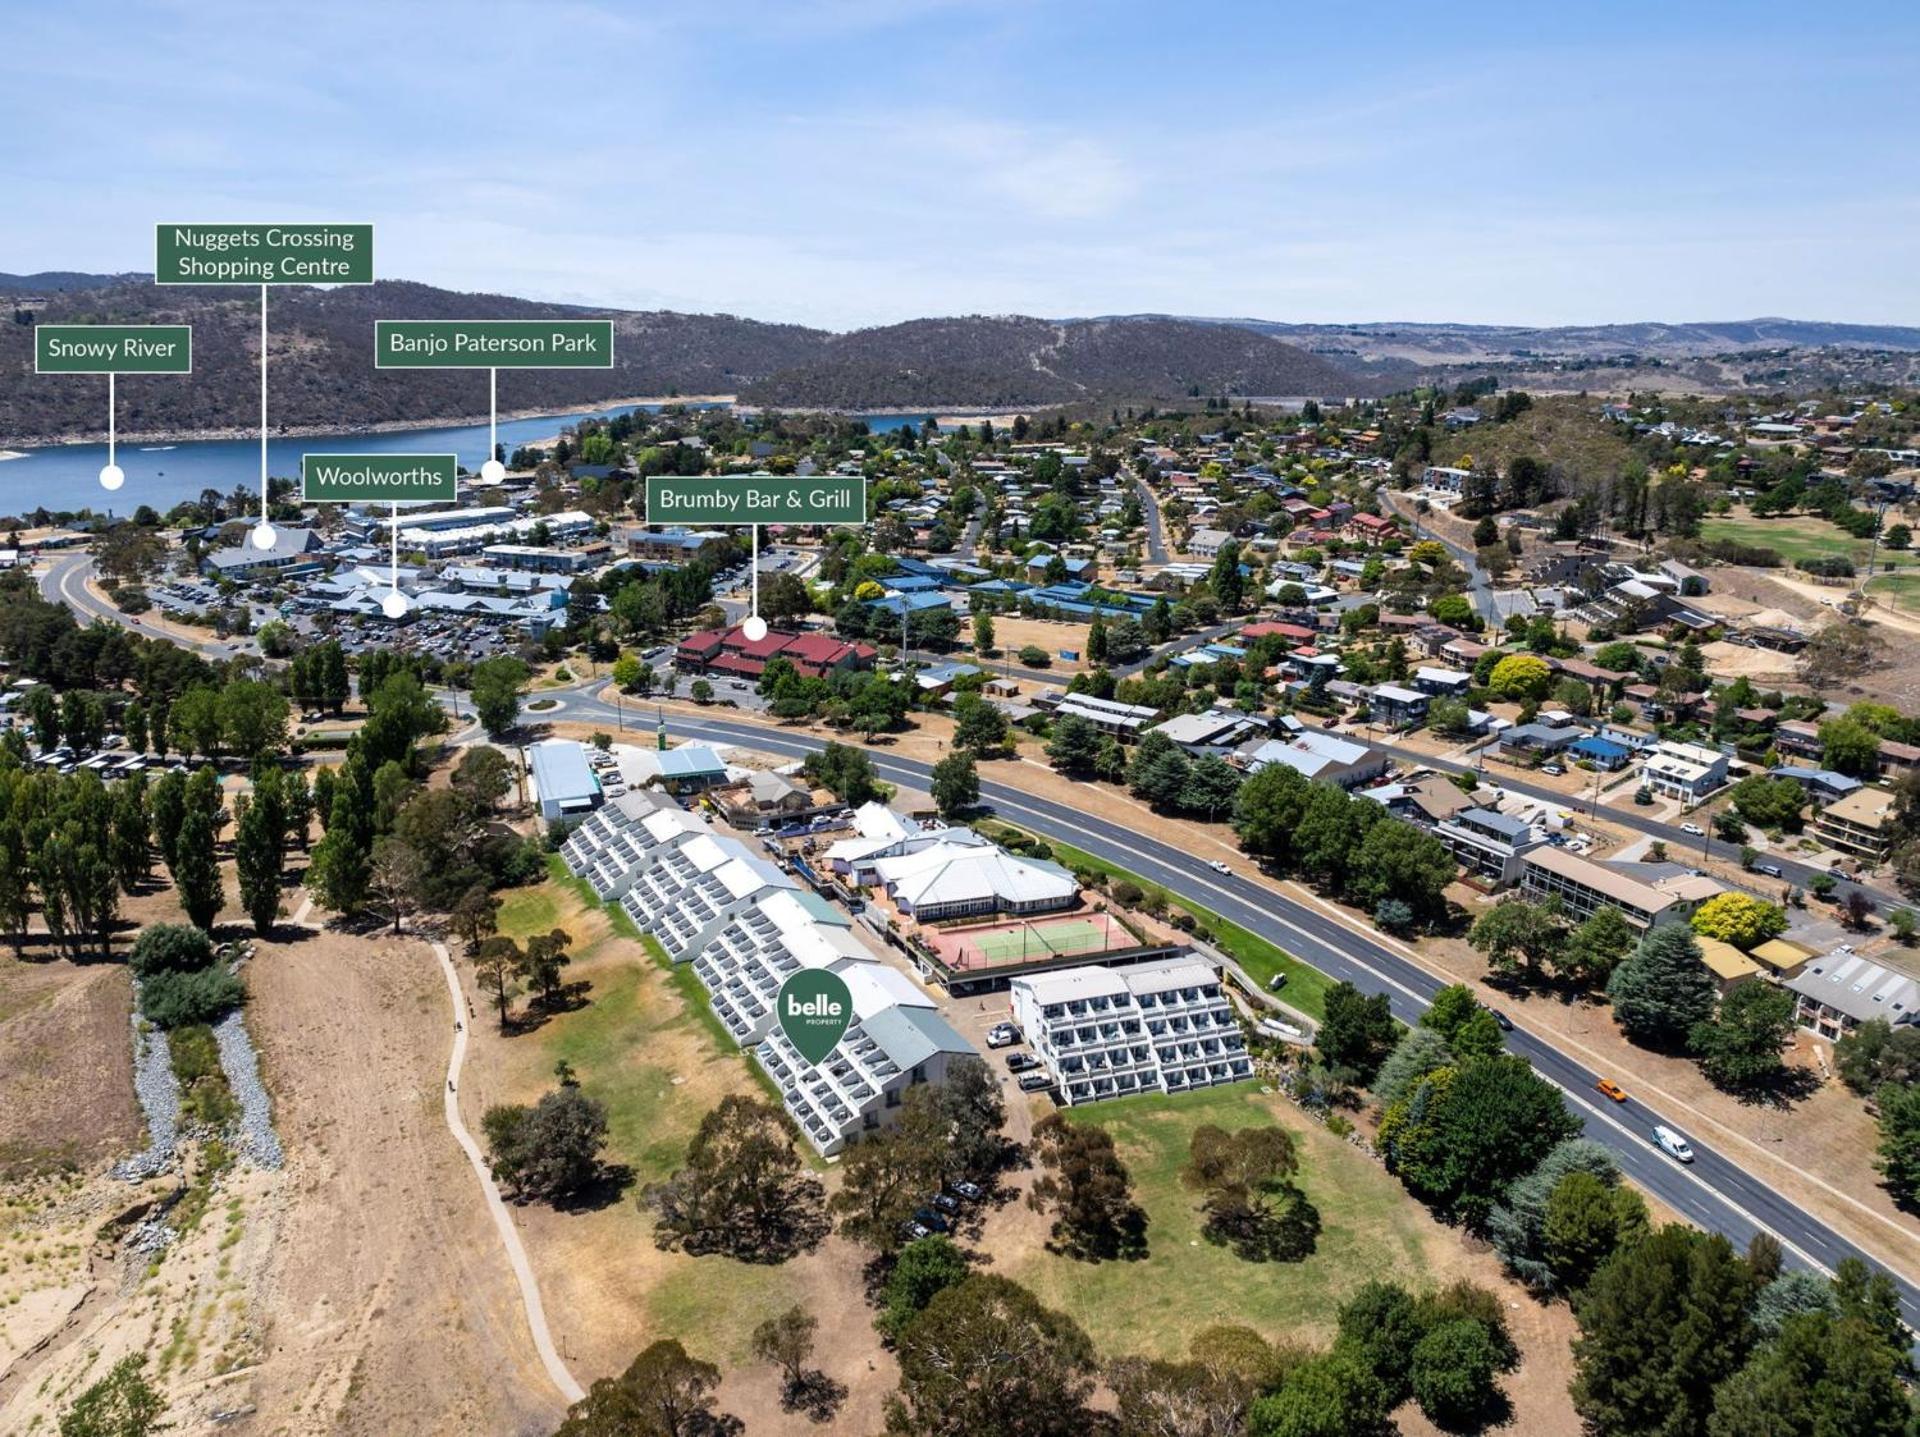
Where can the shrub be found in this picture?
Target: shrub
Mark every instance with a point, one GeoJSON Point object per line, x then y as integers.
{"type": "Point", "coordinates": [171, 1000]}
{"type": "Point", "coordinates": [171, 948]}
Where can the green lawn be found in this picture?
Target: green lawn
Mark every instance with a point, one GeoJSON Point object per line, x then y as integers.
{"type": "Point", "coordinates": [1795, 537]}
{"type": "Point", "coordinates": [1370, 1229]}
{"type": "Point", "coordinates": [627, 1048]}
{"type": "Point", "coordinates": [1898, 591]}
{"type": "Point", "coordinates": [527, 911]}
{"type": "Point", "coordinates": [1306, 985]}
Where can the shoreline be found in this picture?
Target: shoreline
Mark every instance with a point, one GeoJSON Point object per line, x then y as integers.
{"type": "Point", "coordinates": [308, 431]}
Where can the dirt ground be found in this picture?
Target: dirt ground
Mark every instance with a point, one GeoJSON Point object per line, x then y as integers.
{"type": "Point", "coordinates": [608, 1289]}
{"type": "Point", "coordinates": [359, 1290]}
{"type": "Point", "coordinates": [66, 1065]}
{"type": "Point", "coordinates": [1011, 633]}
{"type": "Point", "coordinates": [394, 1308]}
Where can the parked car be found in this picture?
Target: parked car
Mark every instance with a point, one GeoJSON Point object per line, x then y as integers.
{"type": "Point", "coordinates": [1611, 1089]}
{"type": "Point", "coordinates": [1276, 982]}
{"type": "Point", "coordinates": [1506, 1023]}
{"type": "Point", "coordinates": [1772, 870]}
{"type": "Point", "coordinates": [972, 1192]}
{"type": "Point", "coordinates": [915, 1230]}
{"type": "Point", "coordinates": [1034, 1082]}
{"type": "Point", "coordinates": [946, 1203]}
{"type": "Point", "coordinates": [931, 1220]}
{"type": "Point", "coordinates": [1553, 768]}
{"type": "Point", "coordinates": [1020, 1062]}
{"type": "Point", "coordinates": [1002, 1035]}
{"type": "Point", "coordinates": [1695, 829]}
{"type": "Point", "coordinates": [1671, 1143]}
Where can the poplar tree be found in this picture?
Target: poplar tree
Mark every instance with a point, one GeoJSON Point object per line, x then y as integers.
{"type": "Point", "coordinates": [342, 861]}
{"type": "Point", "coordinates": [259, 850]}
{"type": "Point", "coordinates": [196, 870]}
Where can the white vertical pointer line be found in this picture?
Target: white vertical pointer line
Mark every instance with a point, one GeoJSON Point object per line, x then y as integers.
{"type": "Point", "coordinates": [393, 532]}
{"type": "Point", "coordinates": [110, 433]}
{"type": "Point", "coordinates": [263, 404]}
{"type": "Point", "coordinates": [493, 415]}
{"type": "Point", "coordinates": [756, 571]}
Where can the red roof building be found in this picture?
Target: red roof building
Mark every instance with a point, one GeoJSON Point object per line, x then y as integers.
{"type": "Point", "coordinates": [730, 651]}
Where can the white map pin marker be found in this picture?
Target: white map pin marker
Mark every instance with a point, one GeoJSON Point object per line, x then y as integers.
{"type": "Point", "coordinates": [493, 471]}
{"type": "Point", "coordinates": [263, 535]}
{"type": "Point", "coordinates": [755, 629]}
{"type": "Point", "coordinates": [394, 605]}
{"type": "Point", "coordinates": [112, 476]}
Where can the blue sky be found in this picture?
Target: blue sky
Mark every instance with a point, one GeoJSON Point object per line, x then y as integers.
{"type": "Point", "coordinates": [856, 162]}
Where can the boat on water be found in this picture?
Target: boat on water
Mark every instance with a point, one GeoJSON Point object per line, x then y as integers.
{"type": "Point", "coordinates": [157, 448]}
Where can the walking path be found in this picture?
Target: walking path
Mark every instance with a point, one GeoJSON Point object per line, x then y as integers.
{"type": "Point", "coordinates": [509, 1235]}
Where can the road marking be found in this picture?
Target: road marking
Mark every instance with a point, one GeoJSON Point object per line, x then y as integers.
{"type": "Point", "coordinates": [902, 765]}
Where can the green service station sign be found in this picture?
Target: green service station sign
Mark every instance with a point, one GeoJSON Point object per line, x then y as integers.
{"type": "Point", "coordinates": [756, 499]}
{"type": "Point", "coordinates": [493, 344]}
{"type": "Point", "coordinates": [113, 349]}
{"type": "Point", "coordinates": [263, 254]}
{"type": "Point", "coordinates": [815, 1010]}
{"type": "Point", "coordinates": [379, 478]}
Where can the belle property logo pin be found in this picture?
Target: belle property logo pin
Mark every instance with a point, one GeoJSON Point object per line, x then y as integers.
{"type": "Point", "coordinates": [815, 1010]}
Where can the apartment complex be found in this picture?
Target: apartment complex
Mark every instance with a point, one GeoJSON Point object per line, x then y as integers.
{"type": "Point", "coordinates": [1837, 993]}
{"type": "Point", "coordinates": [1586, 887]}
{"type": "Point", "coordinates": [1487, 844]}
{"type": "Point", "coordinates": [744, 926]}
{"type": "Point", "coordinates": [1163, 1026]}
{"type": "Point", "coordinates": [897, 1041]}
{"type": "Point", "coordinates": [1860, 823]}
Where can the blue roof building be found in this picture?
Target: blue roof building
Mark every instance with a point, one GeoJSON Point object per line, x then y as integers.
{"type": "Point", "coordinates": [1601, 752]}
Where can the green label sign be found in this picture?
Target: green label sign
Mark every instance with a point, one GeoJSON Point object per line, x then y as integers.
{"type": "Point", "coordinates": [815, 1009]}
{"type": "Point", "coordinates": [756, 499]}
{"type": "Point", "coordinates": [379, 478]}
{"type": "Point", "coordinates": [263, 254]}
{"type": "Point", "coordinates": [113, 349]}
{"type": "Point", "coordinates": [493, 344]}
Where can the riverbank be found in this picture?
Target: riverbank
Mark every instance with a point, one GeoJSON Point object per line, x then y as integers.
{"type": "Point", "coordinates": [308, 431]}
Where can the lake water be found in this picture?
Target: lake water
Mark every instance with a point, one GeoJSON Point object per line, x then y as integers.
{"type": "Point", "coordinates": [67, 476]}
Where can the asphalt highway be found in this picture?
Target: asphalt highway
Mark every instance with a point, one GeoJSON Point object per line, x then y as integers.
{"type": "Point", "coordinates": [1713, 1191]}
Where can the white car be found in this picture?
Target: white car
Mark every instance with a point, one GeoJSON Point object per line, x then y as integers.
{"type": "Point", "coordinates": [1217, 866]}
{"type": "Point", "coordinates": [1671, 1143]}
{"type": "Point", "coordinates": [1695, 829]}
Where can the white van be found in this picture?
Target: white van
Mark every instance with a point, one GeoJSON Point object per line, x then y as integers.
{"type": "Point", "coordinates": [1671, 1143]}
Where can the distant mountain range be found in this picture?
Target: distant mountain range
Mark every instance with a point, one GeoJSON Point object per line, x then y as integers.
{"type": "Point", "coordinates": [322, 372]}
{"type": "Point", "coordinates": [1440, 343]}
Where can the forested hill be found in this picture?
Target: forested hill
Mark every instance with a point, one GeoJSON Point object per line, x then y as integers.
{"type": "Point", "coordinates": [322, 372]}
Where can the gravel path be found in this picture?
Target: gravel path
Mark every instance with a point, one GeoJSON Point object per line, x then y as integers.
{"type": "Point", "coordinates": [242, 1067]}
{"type": "Point", "coordinates": [159, 1093]}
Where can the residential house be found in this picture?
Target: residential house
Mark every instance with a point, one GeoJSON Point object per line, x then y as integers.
{"type": "Point", "coordinates": [1686, 771]}
{"type": "Point", "coordinates": [1397, 707]}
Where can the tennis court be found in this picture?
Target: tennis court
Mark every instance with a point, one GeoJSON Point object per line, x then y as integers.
{"type": "Point", "coordinates": [995, 945]}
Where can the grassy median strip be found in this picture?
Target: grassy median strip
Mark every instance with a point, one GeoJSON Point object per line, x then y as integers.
{"type": "Point", "coordinates": [1306, 985]}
